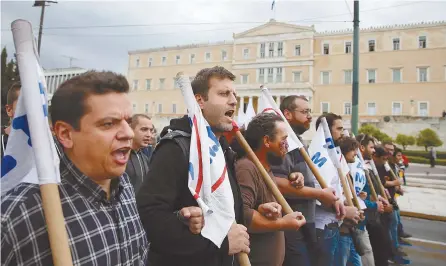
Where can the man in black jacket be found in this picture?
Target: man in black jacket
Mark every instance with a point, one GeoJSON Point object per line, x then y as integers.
{"type": "Point", "coordinates": [169, 213]}
{"type": "Point", "coordinates": [138, 165]}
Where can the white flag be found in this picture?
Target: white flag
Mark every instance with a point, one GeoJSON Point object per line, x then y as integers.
{"type": "Point", "coordinates": [267, 104]}
{"type": "Point", "coordinates": [241, 116]}
{"type": "Point", "coordinates": [30, 154]}
{"type": "Point", "coordinates": [334, 152]}
{"type": "Point", "coordinates": [250, 113]}
{"type": "Point", "coordinates": [208, 177]}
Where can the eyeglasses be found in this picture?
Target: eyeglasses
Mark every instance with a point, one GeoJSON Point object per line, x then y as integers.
{"type": "Point", "coordinates": [306, 112]}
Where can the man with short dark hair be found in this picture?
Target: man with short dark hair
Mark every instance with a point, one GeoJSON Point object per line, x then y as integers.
{"type": "Point", "coordinates": [138, 165]}
{"type": "Point", "coordinates": [11, 104]}
{"type": "Point", "coordinates": [267, 136]}
{"type": "Point", "coordinates": [169, 212]}
{"type": "Point", "coordinates": [299, 247]}
{"type": "Point", "coordinates": [89, 114]}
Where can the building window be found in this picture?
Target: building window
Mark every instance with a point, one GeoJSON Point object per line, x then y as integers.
{"type": "Point", "coordinates": [297, 77]}
{"type": "Point", "coordinates": [279, 75]}
{"type": "Point", "coordinates": [325, 107]}
{"type": "Point", "coordinates": [150, 62]}
{"type": "Point", "coordinates": [396, 75]}
{"type": "Point", "coordinates": [326, 49]}
{"type": "Point", "coordinates": [348, 76]}
{"type": "Point", "coordinates": [348, 47]}
{"type": "Point", "coordinates": [177, 60]}
{"type": "Point", "coordinates": [347, 108]}
{"type": "Point", "coordinates": [422, 42]}
{"type": "Point", "coordinates": [137, 62]}
{"type": "Point", "coordinates": [325, 77]}
{"type": "Point", "coordinates": [271, 49]}
{"type": "Point", "coordinates": [371, 76]}
{"type": "Point", "coordinates": [261, 75]}
{"type": "Point", "coordinates": [160, 108]}
{"type": "Point", "coordinates": [262, 50]}
{"type": "Point", "coordinates": [163, 60]}
{"type": "Point", "coordinates": [280, 49]}
{"type": "Point", "coordinates": [223, 55]}
{"type": "Point", "coordinates": [397, 108]}
{"type": "Point", "coordinates": [270, 75]}
{"type": "Point", "coordinates": [135, 84]}
{"type": "Point", "coordinates": [422, 74]}
{"type": "Point", "coordinates": [371, 45]}
{"type": "Point", "coordinates": [174, 108]}
{"type": "Point", "coordinates": [297, 50]}
{"type": "Point", "coordinates": [162, 84]}
{"type": "Point", "coordinates": [208, 57]}
{"type": "Point", "coordinates": [396, 44]}
{"type": "Point", "coordinates": [134, 107]}
{"type": "Point", "coordinates": [245, 53]}
{"type": "Point", "coordinates": [423, 108]}
{"type": "Point", "coordinates": [148, 84]}
{"type": "Point", "coordinates": [146, 108]}
{"type": "Point", "coordinates": [192, 58]}
{"type": "Point", "coordinates": [371, 108]}
{"type": "Point", "coordinates": [244, 79]}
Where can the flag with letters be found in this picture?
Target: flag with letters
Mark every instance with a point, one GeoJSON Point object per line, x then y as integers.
{"type": "Point", "coordinates": [208, 177]}
{"type": "Point", "coordinates": [334, 152]}
{"type": "Point", "coordinates": [30, 154]}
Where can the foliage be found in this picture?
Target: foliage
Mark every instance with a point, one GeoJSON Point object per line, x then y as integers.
{"type": "Point", "coordinates": [428, 138]}
{"type": "Point", "coordinates": [405, 140]}
{"type": "Point", "coordinates": [424, 154]}
{"type": "Point", "coordinates": [422, 160]}
{"type": "Point", "coordinates": [375, 132]}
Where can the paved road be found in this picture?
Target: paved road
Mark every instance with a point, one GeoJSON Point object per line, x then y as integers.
{"type": "Point", "coordinates": [425, 253]}
{"type": "Point", "coordinates": [424, 171]}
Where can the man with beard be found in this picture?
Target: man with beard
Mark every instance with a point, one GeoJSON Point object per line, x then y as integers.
{"type": "Point", "coordinates": [327, 221]}
{"type": "Point", "coordinates": [138, 165]}
{"type": "Point", "coordinates": [267, 136]}
{"type": "Point", "coordinates": [299, 245]}
{"type": "Point", "coordinates": [169, 213]}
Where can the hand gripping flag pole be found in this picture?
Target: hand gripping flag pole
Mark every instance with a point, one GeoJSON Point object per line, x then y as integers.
{"type": "Point", "coordinates": [42, 165]}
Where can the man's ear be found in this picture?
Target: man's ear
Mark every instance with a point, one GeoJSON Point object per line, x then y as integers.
{"type": "Point", "coordinates": [64, 133]}
{"type": "Point", "coordinates": [288, 115]}
{"type": "Point", "coordinates": [200, 100]}
{"type": "Point", "coordinates": [8, 108]}
{"type": "Point", "coordinates": [266, 142]}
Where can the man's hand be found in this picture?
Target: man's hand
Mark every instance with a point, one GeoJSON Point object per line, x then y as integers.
{"type": "Point", "coordinates": [380, 206]}
{"type": "Point", "coordinates": [271, 210]}
{"type": "Point", "coordinates": [384, 201]}
{"type": "Point", "coordinates": [293, 221]}
{"type": "Point", "coordinates": [388, 208]}
{"type": "Point", "coordinates": [193, 218]}
{"type": "Point", "coordinates": [296, 179]}
{"type": "Point", "coordinates": [238, 239]}
{"type": "Point", "coordinates": [340, 209]}
{"type": "Point", "coordinates": [363, 195]}
{"type": "Point", "coordinates": [352, 214]}
{"type": "Point", "coordinates": [328, 197]}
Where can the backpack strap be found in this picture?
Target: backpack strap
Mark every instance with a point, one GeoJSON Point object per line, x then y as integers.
{"type": "Point", "coordinates": [181, 138]}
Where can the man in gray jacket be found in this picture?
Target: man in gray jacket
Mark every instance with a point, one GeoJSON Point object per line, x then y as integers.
{"type": "Point", "coordinates": [138, 164]}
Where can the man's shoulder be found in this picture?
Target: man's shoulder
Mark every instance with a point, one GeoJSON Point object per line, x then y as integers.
{"type": "Point", "coordinates": [19, 200]}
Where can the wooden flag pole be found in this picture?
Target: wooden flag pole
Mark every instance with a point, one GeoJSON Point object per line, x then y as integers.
{"type": "Point", "coordinates": [269, 182]}
{"type": "Point", "coordinates": [313, 168]}
{"type": "Point", "coordinates": [352, 189]}
{"type": "Point", "coordinates": [347, 192]}
{"type": "Point", "coordinates": [374, 197]}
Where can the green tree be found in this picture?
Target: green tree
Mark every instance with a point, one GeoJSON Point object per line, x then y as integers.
{"type": "Point", "coordinates": [428, 138]}
{"type": "Point", "coordinates": [405, 140]}
{"type": "Point", "coordinates": [375, 132]}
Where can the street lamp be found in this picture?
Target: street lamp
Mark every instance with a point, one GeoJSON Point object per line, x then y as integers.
{"type": "Point", "coordinates": [42, 14]}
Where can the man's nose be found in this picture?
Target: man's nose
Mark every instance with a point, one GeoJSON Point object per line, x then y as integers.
{"type": "Point", "coordinates": [125, 132]}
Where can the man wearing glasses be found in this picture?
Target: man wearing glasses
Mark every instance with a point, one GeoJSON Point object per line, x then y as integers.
{"type": "Point", "coordinates": [138, 164]}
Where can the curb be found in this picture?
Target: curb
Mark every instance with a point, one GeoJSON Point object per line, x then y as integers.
{"type": "Point", "coordinates": [425, 216]}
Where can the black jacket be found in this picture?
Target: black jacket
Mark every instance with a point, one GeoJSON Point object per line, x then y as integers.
{"type": "Point", "coordinates": [165, 191]}
{"type": "Point", "coordinates": [137, 169]}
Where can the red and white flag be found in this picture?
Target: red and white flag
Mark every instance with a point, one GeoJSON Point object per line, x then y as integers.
{"type": "Point", "coordinates": [208, 177]}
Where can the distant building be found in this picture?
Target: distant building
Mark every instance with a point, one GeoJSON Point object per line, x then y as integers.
{"type": "Point", "coordinates": [55, 77]}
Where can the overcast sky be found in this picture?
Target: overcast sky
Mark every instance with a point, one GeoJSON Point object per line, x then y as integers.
{"type": "Point", "coordinates": [69, 26]}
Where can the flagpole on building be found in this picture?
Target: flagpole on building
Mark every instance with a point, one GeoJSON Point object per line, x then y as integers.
{"type": "Point", "coordinates": [27, 60]}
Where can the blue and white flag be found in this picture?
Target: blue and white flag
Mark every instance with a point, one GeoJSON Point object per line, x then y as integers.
{"type": "Point", "coordinates": [30, 154]}
{"type": "Point", "coordinates": [208, 177]}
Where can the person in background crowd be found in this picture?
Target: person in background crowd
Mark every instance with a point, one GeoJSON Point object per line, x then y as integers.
{"type": "Point", "coordinates": [346, 252]}
{"type": "Point", "coordinates": [138, 165]}
{"type": "Point", "coordinates": [11, 104]}
{"type": "Point", "coordinates": [300, 245]}
{"type": "Point", "coordinates": [89, 114]}
{"type": "Point", "coordinates": [267, 136]}
{"type": "Point", "coordinates": [169, 212]}
{"type": "Point", "coordinates": [432, 157]}
{"type": "Point", "coordinates": [380, 158]}
{"type": "Point", "coordinates": [148, 151]}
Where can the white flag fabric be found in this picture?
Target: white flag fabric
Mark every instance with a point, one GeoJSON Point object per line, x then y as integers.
{"type": "Point", "coordinates": [334, 152]}
{"type": "Point", "coordinates": [319, 155]}
{"type": "Point", "coordinates": [250, 113]}
{"type": "Point", "coordinates": [241, 116]}
{"type": "Point", "coordinates": [267, 104]}
{"type": "Point", "coordinates": [208, 177]}
{"type": "Point", "coordinates": [30, 154]}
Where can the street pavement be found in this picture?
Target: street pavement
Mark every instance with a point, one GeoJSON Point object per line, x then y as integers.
{"type": "Point", "coordinates": [429, 241]}
{"type": "Point", "coordinates": [424, 171]}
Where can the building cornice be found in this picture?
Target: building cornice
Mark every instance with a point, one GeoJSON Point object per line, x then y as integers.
{"type": "Point", "coordinates": [181, 47]}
